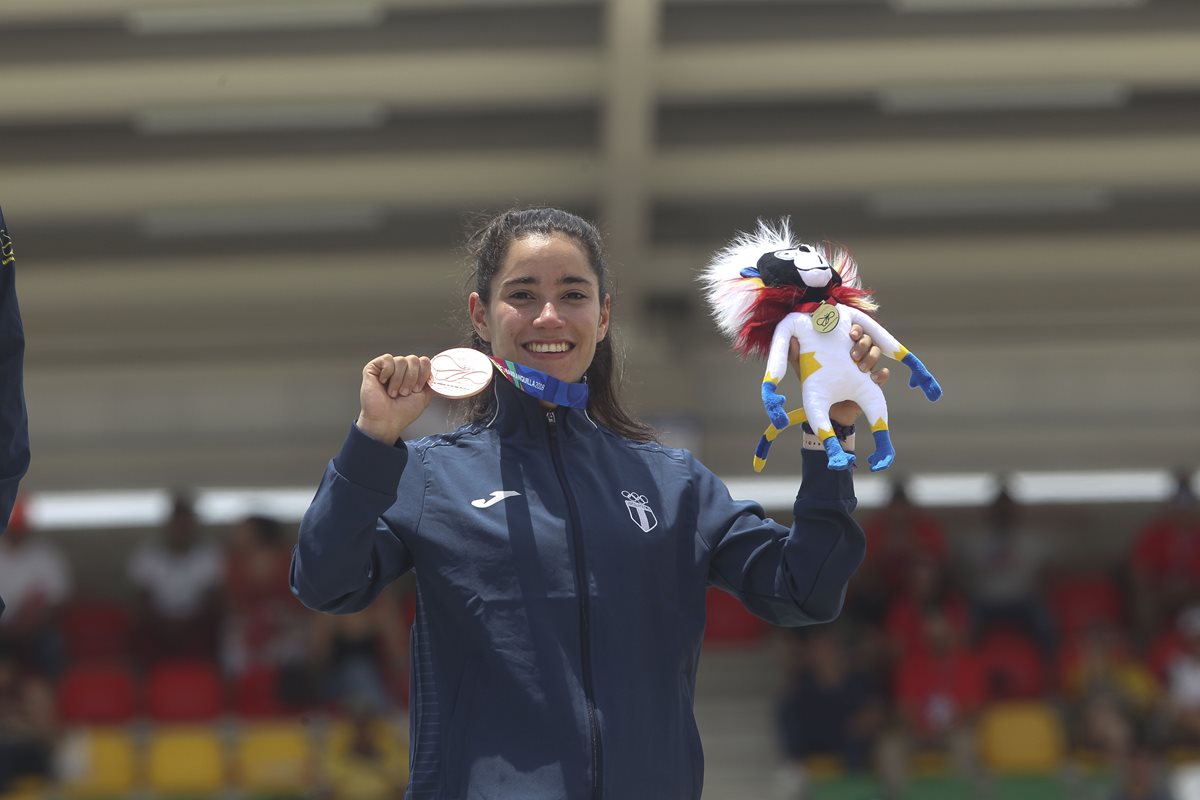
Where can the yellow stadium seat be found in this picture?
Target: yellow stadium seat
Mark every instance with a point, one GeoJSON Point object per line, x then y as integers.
{"type": "Point", "coordinates": [350, 777]}
{"type": "Point", "coordinates": [824, 766]}
{"type": "Point", "coordinates": [185, 760]}
{"type": "Point", "coordinates": [99, 762]}
{"type": "Point", "coordinates": [27, 788]}
{"type": "Point", "coordinates": [1021, 738]}
{"type": "Point", "coordinates": [929, 763]}
{"type": "Point", "coordinates": [275, 758]}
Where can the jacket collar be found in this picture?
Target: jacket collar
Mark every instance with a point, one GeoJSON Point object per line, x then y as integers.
{"type": "Point", "coordinates": [517, 414]}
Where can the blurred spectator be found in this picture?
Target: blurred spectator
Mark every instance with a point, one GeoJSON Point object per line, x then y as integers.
{"type": "Point", "coordinates": [265, 627]}
{"type": "Point", "coordinates": [829, 707]}
{"type": "Point", "coordinates": [938, 693]}
{"type": "Point", "coordinates": [1004, 568]}
{"type": "Point", "coordinates": [27, 722]}
{"type": "Point", "coordinates": [368, 763]}
{"type": "Point", "coordinates": [1110, 695]}
{"type": "Point", "coordinates": [927, 586]}
{"type": "Point", "coordinates": [178, 581]}
{"type": "Point", "coordinates": [1165, 563]}
{"type": "Point", "coordinates": [896, 537]}
{"type": "Point", "coordinates": [1141, 778]}
{"type": "Point", "coordinates": [363, 656]}
{"type": "Point", "coordinates": [1182, 715]}
{"type": "Point", "coordinates": [36, 583]}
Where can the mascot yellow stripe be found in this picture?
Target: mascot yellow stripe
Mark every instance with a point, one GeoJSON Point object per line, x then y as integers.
{"type": "Point", "coordinates": [808, 365]}
{"type": "Point", "coordinates": [795, 417]}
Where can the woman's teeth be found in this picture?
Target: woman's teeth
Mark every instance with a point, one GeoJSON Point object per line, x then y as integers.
{"type": "Point", "coordinates": [560, 347]}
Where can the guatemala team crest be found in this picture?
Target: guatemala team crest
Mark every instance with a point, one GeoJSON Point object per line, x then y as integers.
{"type": "Point", "coordinates": [639, 511]}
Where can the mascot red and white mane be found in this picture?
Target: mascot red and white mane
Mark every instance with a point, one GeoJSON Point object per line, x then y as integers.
{"type": "Point", "coordinates": [747, 311]}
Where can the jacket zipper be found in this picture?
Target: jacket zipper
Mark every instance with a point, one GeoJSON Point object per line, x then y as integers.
{"type": "Point", "coordinates": [581, 585]}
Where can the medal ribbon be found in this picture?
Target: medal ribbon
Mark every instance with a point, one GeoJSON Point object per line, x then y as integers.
{"type": "Point", "coordinates": [813, 305]}
{"type": "Point", "coordinates": [542, 386]}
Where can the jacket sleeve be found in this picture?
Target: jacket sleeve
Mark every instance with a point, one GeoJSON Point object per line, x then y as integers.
{"type": "Point", "coordinates": [787, 577]}
{"type": "Point", "coordinates": [347, 550]}
{"type": "Point", "coordinates": [14, 423]}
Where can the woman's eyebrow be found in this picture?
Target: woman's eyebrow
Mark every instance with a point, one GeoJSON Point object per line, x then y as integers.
{"type": "Point", "coordinates": [529, 280]}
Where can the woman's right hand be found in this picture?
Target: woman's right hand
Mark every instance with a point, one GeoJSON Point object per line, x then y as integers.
{"type": "Point", "coordinates": [393, 395]}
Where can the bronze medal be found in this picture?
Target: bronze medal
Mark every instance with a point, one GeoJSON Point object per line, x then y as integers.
{"type": "Point", "coordinates": [459, 372]}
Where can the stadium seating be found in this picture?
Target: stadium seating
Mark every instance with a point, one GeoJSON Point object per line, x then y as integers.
{"type": "Point", "coordinates": [96, 630]}
{"type": "Point", "coordinates": [185, 761]}
{"type": "Point", "coordinates": [1163, 650]}
{"type": "Point", "coordinates": [184, 691]}
{"type": "Point", "coordinates": [392, 766]}
{"type": "Point", "coordinates": [1013, 666]}
{"type": "Point", "coordinates": [97, 694]}
{"type": "Point", "coordinates": [256, 694]}
{"type": "Point", "coordinates": [1021, 738]}
{"type": "Point", "coordinates": [274, 759]}
{"type": "Point", "coordinates": [1081, 599]}
{"type": "Point", "coordinates": [728, 622]}
{"type": "Point", "coordinates": [99, 763]}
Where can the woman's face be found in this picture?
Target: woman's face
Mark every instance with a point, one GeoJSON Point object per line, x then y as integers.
{"type": "Point", "coordinates": [545, 310]}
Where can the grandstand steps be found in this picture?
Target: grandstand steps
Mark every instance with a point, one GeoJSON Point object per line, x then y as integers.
{"type": "Point", "coordinates": [735, 692]}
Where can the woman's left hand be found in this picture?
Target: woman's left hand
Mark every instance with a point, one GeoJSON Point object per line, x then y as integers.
{"type": "Point", "coordinates": [866, 355]}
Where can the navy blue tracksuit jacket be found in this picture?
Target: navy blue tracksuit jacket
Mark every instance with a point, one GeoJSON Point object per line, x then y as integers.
{"type": "Point", "coordinates": [14, 426]}
{"type": "Point", "coordinates": [561, 575]}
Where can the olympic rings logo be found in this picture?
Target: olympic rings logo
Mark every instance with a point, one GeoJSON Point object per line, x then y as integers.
{"type": "Point", "coordinates": [634, 497]}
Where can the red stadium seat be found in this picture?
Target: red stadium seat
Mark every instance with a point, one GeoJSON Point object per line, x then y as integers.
{"type": "Point", "coordinates": [729, 623]}
{"type": "Point", "coordinates": [1163, 650]}
{"type": "Point", "coordinates": [1013, 666]}
{"type": "Point", "coordinates": [97, 630]}
{"type": "Point", "coordinates": [97, 694]}
{"type": "Point", "coordinates": [1084, 599]}
{"type": "Point", "coordinates": [257, 694]}
{"type": "Point", "coordinates": [184, 691]}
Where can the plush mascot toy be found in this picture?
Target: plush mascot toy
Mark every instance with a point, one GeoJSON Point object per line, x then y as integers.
{"type": "Point", "coordinates": [765, 289]}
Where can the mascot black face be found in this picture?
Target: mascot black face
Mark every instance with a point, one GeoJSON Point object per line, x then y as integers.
{"type": "Point", "coordinates": [801, 266]}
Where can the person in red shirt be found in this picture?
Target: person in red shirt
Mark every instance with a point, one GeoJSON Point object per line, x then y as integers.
{"type": "Point", "coordinates": [898, 536]}
{"type": "Point", "coordinates": [264, 626]}
{"type": "Point", "coordinates": [1165, 562]}
{"type": "Point", "coordinates": [36, 579]}
{"type": "Point", "coordinates": [938, 693]}
{"type": "Point", "coordinates": [928, 586]}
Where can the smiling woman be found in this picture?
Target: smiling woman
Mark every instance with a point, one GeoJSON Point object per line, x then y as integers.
{"type": "Point", "coordinates": [562, 556]}
{"type": "Point", "coordinates": [548, 264]}
{"type": "Point", "coordinates": [548, 311]}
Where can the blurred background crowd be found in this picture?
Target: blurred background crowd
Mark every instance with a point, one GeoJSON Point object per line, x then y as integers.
{"type": "Point", "coordinates": [974, 651]}
{"type": "Point", "coordinates": [991, 650]}
{"type": "Point", "coordinates": [197, 628]}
